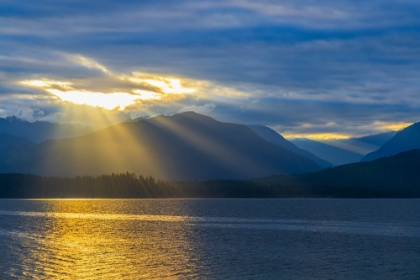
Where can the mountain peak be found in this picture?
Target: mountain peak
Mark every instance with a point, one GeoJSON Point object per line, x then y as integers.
{"type": "Point", "coordinates": [189, 113]}
{"type": "Point", "coordinates": [180, 147]}
{"type": "Point", "coordinates": [192, 114]}
{"type": "Point", "coordinates": [188, 116]}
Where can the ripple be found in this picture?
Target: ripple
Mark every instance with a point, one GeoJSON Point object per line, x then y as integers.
{"type": "Point", "coordinates": [386, 229]}
{"type": "Point", "coordinates": [97, 240]}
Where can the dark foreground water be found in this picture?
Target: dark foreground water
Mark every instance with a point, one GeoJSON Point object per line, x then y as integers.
{"type": "Point", "coordinates": [210, 239]}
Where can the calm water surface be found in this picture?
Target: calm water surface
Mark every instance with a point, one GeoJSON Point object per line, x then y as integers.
{"type": "Point", "coordinates": [210, 239]}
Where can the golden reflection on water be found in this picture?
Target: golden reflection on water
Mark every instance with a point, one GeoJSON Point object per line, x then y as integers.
{"type": "Point", "coordinates": [198, 239]}
{"type": "Point", "coordinates": [72, 247]}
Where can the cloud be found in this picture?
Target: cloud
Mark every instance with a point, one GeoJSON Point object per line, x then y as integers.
{"type": "Point", "coordinates": [127, 91]}
{"type": "Point", "coordinates": [204, 109]}
{"type": "Point", "coordinates": [294, 118]}
{"type": "Point", "coordinates": [86, 62]}
{"type": "Point", "coordinates": [33, 114]}
{"type": "Point", "coordinates": [307, 63]}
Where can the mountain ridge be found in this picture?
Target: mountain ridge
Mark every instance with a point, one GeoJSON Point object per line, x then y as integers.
{"type": "Point", "coordinates": [404, 140]}
{"type": "Point", "coordinates": [40, 131]}
{"type": "Point", "coordinates": [8, 141]}
{"type": "Point", "coordinates": [344, 151]}
{"type": "Point", "coordinates": [184, 146]}
{"type": "Point", "coordinates": [393, 175]}
{"type": "Point", "coordinates": [272, 136]}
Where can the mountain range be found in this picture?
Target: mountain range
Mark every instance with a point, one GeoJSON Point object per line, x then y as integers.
{"type": "Point", "coordinates": [405, 140]}
{"type": "Point", "coordinates": [344, 151]}
{"type": "Point", "coordinates": [272, 136]}
{"type": "Point", "coordinates": [7, 141]}
{"type": "Point", "coordinates": [186, 146]}
{"type": "Point", "coordinates": [40, 131]}
{"type": "Point", "coordinates": [389, 176]}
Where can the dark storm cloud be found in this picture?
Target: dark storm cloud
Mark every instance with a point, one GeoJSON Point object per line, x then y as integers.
{"type": "Point", "coordinates": [314, 117]}
{"type": "Point", "coordinates": [305, 62]}
{"type": "Point", "coordinates": [295, 112]}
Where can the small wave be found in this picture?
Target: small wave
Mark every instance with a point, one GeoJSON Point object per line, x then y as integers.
{"type": "Point", "coordinates": [364, 228]}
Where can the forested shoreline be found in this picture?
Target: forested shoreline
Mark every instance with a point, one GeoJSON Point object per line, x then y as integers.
{"type": "Point", "coordinates": [130, 185]}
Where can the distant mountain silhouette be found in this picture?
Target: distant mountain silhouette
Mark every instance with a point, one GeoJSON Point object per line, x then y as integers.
{"type": "Point", "coordinates": [344, 151]}
{"type": "Point", "coordinates": [183, 146]}
{"type": "Point", "coordinates": [389, 177]}
{"type": "Point", "coordinates": [274, 137]}
{"type": "Point", "coordinates": [328, 151]}
{"type": "Point", "coordinates": [41, 131]}
{"type": "Point", "coordinates": [397, 175]}
{"type": "Point", "coordinates": [376, 140]}
{"type": "Point", "coordinates": [7, 141]}
{"type": "Point", "coordinates": [404, 140]}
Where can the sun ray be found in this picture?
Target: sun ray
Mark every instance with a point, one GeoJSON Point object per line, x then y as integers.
{"type": "Point", "coordinates": [223, 156]}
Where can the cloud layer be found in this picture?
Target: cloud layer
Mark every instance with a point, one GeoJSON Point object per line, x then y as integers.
{"type": "Point", "coordinates": [302, 67]}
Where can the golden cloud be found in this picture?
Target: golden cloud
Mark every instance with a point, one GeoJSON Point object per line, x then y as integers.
{"type": "Point", "coordinates": [119, 91]}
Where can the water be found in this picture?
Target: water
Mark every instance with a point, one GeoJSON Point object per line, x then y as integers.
{"type": "Point", "coordinates": [210, 239]}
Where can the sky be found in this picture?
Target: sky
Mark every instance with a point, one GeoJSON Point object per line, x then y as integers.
{"type": "Point", "coordinates": [317, 69]}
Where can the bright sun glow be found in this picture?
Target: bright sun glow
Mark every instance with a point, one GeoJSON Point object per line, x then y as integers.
{"type": "Point", "coordinates": [393, 126]}
{"type": "Point", "coordinates": [66, 92]}
{"type": "Point", "coordinates": [317, 136]}
{"type": "Point", "coordinates": [170, 86]}
{"type": "Point", "coordinates": [377, 126]}
{"type": "Point", "coordinates": [123, 90]}
{"type": "Point", "coordinates": [46, 83]}
{"type": "Point", "coordinates": [161, 88]}
{"type": "Point", "coordinates": [167, 85]}
{"type": "Point", "coordinates": [108, 101]}
{"type": "Point", "coordinates": [147, 95]}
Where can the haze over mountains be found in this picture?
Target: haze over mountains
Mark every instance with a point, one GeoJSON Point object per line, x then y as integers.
{"type": "Point", "coordinates": [40, 131]}
{"type": "Point", "coordinates": [395, 176]}
{"type": "Point", "coordinates": [389, 177]}
{"type": "Point", "coordinates": [183, 146]}
{"type": "Point", "coordinates": [274, 137]}
{"type": "Point", "coordinates": [7, 141]}
{"type": "Point", "coordinates": [344, 151]}
{"type": "Point", "coordinates": [405, 140]}
{"type": "Point", "coordinates": [186, 146]}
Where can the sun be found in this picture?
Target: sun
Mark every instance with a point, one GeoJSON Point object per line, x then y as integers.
{"type": "Point", "coordinates": [65, 92]}
{"type": "Point", "coordinates": [110, 101]}
{"type": "Point", "coordinates": [144, 87]}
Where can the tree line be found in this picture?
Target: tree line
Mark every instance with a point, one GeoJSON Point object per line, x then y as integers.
{"type": "Point", "coordinates": [123, 185]}
{"type": "Point", "coordinates": [130, 185]}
